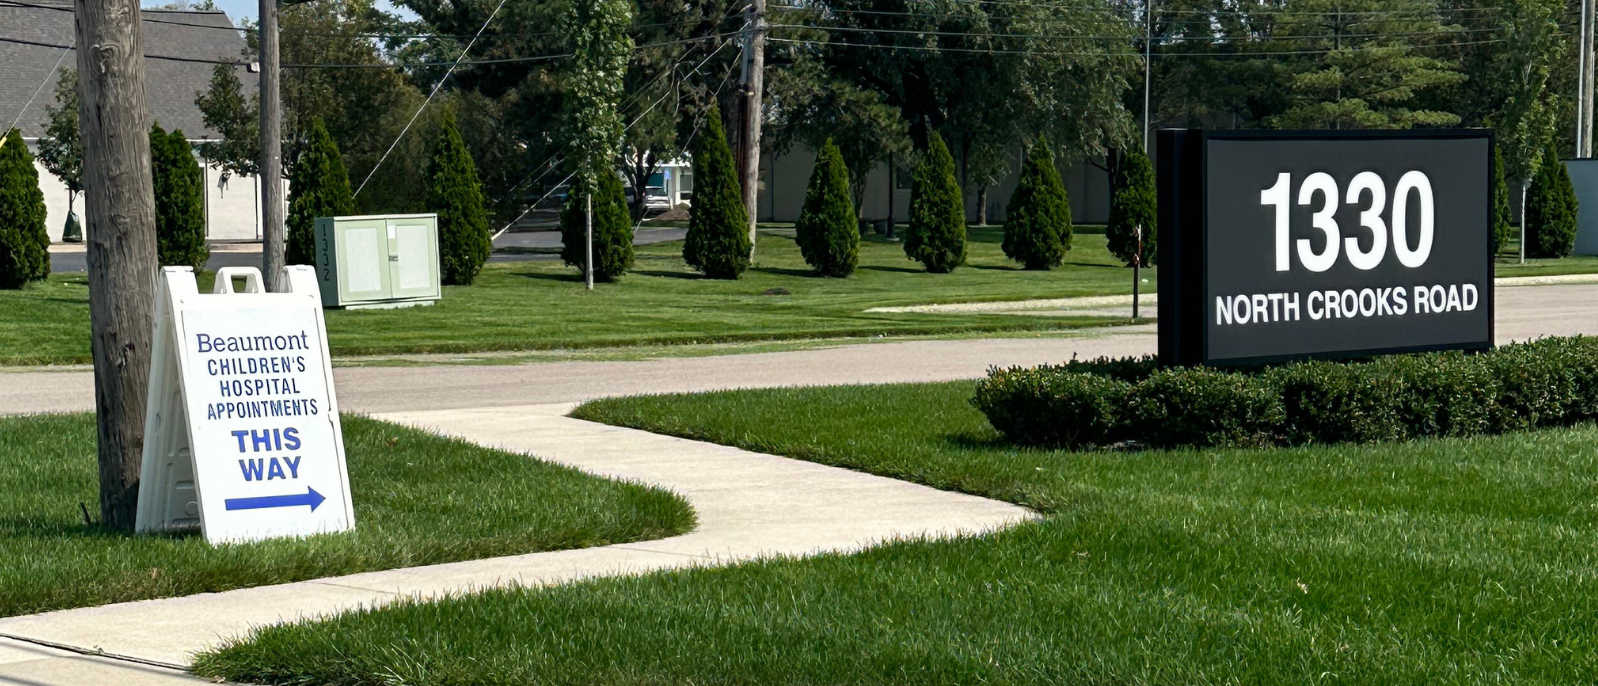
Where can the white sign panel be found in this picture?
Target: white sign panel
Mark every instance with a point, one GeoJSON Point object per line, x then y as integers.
{"type": "Point", "coordinates": [242, 434]}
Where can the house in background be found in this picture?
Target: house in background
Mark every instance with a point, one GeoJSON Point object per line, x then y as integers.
{"type": "Point", "coordinates": [28, 76]}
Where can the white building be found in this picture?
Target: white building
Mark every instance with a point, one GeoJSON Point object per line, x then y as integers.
{"type": "Point", "coordinates": [29, 72]}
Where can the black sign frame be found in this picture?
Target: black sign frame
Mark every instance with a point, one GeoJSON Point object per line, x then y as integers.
{"type": "Point", "coordinates": [1183, 188]}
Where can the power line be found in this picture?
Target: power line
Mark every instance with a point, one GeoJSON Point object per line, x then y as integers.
{"type": "Point", "coordinates": [1170, 39]}
{"type": "Point", "coordinates": [429, 99]}
{"type": "Point", "coordinates": [1241, 53]}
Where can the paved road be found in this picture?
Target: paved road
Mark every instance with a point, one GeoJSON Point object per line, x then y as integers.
{"type": "Point", "coordinates": [1523, 312]}
{"type": "Point", "coordinates": [66, 259]}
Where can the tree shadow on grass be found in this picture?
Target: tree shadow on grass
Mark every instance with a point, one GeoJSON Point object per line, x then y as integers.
{"type": "Point", "coordinates": [783, 271]}
{"type": "Point", "coordinates": [895, 270]}
{"type": "Point", "coordinates": [986, 440]}
{"type": "Point", "coordinates": [1093, 264]}
{"type": "Point", "coordinates": [688, 276]}
{"type": "Point", "coordinates": [568, 277]}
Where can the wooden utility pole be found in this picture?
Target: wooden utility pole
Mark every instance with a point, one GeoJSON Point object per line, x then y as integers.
{"type": "Point", "coordinates": [272, 230]}
{"type": "Point", "coordinates": [1584, 82]}
{"type": "Point", "coordinates": [754, 83]}
{"type": "Point", "coordinates": [119, 212]}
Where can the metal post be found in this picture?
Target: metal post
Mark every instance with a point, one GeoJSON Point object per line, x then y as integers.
{"type": "Point", "coordinates": [1137, 268]}
{"type": "Point", "coordinates": [588, 248]}
{"type": "Point", "coordinates": [1522, 249]}
{"type": "Point", "coordinates": [272, 229]}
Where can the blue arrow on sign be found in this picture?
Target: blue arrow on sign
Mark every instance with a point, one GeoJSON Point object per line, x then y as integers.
{"type": "Point", "coordinates": [310, 497]}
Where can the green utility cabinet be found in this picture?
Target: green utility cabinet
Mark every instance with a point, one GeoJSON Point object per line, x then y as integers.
{"type": "Point", "coordinates": [378, 261]}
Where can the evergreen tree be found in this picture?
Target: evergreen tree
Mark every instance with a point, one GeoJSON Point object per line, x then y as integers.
{"type": "Point", "coordinates": [1133, 204]}
{"type": "Point", "coordinates": [464, 241]}
{"type": "Point", "coordinates": [24, 244]}
{"type": "Point", "coordinates": [1500, 226]}
{"type": "Point", "coordinates": [1037, 225]}
{"type": "Point", "coordinates": [613, 229]}
{"type": "Point", "coordinates": [1550, 210]}
{"type": "Point", "coordinates": [718, 228]}
{"type": "Point", "coordinates": [179, 201]}
{"type": "Point", "coordinates": [320, 188]}
{"type": "Point", "coordinates": [827, 231]}
{"type": "Point", "coordinates": [936, 234]}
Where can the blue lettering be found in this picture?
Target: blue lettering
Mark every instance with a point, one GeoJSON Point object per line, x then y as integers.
{"type": "Point", "coordinates": [240, 434]}
{"type": "Point", "coordinates": [251, 469]}
{"type": "Point", "coordinates": [294, 466]}
{"type": "Point", "coordinates": [261, 439]}
{"type": "Point", "coordinates": [291, 438]}
{"type": "Point", "coordinates": [203, 341]}
{"type": "Point", "coordinates": [276, 472]}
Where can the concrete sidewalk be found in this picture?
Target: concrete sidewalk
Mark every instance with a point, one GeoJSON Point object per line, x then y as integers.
{"type": "Point", "coordinates": [749, 505]}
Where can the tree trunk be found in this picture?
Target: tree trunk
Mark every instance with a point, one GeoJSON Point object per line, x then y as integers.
{"type": "Point", "coordinates": [982, 205]}
{"type": "Point", "coordinates": [119, 214]}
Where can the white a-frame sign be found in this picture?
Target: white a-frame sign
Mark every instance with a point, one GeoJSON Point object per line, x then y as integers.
{"type": "Point", "coordinates": [241, 435]}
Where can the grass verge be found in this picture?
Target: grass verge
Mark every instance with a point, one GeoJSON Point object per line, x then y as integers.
{"type": "Point", "coordinates": [419, 499]}
{"type": "Point", "coordinates": [1440, 562]}
{"type": "Point", "coordinates": [541, 305]}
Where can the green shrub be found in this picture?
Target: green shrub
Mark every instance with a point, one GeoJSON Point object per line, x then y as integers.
{"type": "Point", "coordinates": [1330, 402]}
{"type": "Point", "coordinates": [1037, 224]}
{"type": "Point", "coordinates": [935, 236]}
{"type": "Point", "coordinates": [1548, 382]}
{"type": "Point", "coordinates": [464, 241]}
{"type": "Point", "coordinates": [1133, 203]}
{"type": "Point", "coordinates": [827, 232]}
{"type": "Point", "coordinates": [1204, 407]}
{"type": "Point", "coordinates": [320, 188]}
{"type": "Point", "coordinates": [1550, 210]}
{"type": "Point", "coordinates": [1445, 394]}
{"type": "Point", "coordinates": [1500, 227]}
{"type": "Point", "coordinates": [179, 201]}
{"type": "Point", "coordinates": [1052, 408]}
{"type": "Point", "coordinates": [717, 243]}
{"type": "Point", "coordinates": [24, 243]}
{"type": "Point", "coordinates": [613, 229]}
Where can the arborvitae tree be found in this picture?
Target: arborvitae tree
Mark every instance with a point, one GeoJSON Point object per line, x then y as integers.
{"type": "Point", "coordinates": [320, 188]}
{"type": "Point", "coordinates": [936, 234]}
{"type": "Point", "coordinates": [24, 244]}
{"type": "Point", "coordinates": [613, 229]}
{"type": "Point", "coordinates": [1037, 225]}
{"type": "Point", "coordinates": [179, 201]}
{"type": "Point", "coordinates": [827, 232]}
{"type": "Point", "coordinates": [1550, 210]}
{"type": "Point", "coordinates": [718, 228]}
{"type": "Point", "coordinates": [1500, 227]}
{"type": "Point", "coordinates": [1133, 204]}
{"type": "Point", "coordinates": [453, 191]}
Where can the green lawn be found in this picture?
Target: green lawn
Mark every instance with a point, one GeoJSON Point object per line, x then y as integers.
{"type": "Point", "coordinates": [1435, 562]}
{"type": "Point", "coordinates": [542, 305]}
{"type": "Point", "coordinates": [419, 500]}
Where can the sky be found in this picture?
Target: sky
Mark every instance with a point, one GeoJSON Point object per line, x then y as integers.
{"type": "Point", "coordinates": [240, 9]}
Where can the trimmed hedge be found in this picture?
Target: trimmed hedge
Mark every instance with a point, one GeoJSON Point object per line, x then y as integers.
{"type": "Point", "coordinates": [1037, 224]}
{"type": "Point", "coordinates": [717, 243]}
{"type": "Point", "coordinates": [1548, 382]}
{"type": "Point", "coordinates": [936, 234]}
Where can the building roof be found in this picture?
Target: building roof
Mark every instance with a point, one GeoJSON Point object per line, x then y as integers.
{"type": "Point", "coordinates": [170, 86]}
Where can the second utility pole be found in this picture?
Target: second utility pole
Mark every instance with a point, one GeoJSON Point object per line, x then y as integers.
{"type": "Point", "coordinates": [272, 231]}
{"type": "Point", "coordinates": [754, 82]}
